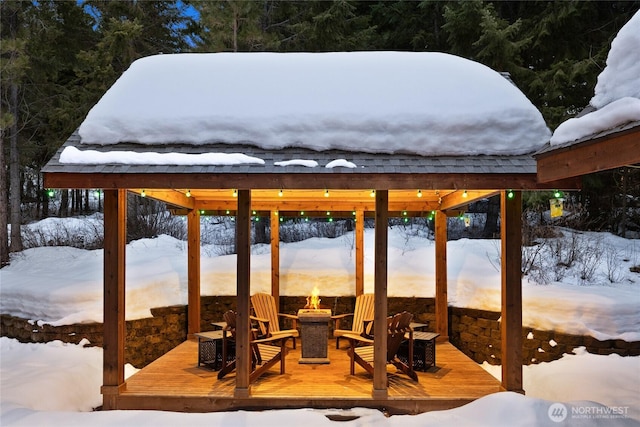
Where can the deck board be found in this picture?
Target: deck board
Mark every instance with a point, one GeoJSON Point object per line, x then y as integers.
{"type": "Point", "coordinates": [175, 382]}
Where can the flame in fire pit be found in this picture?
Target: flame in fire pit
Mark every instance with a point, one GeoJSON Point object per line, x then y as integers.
{"type": "Point", "coordinates": [313, 301]}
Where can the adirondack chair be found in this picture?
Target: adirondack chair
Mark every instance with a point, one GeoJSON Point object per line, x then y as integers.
{"type": "Point", "coordinates": [265, 352]}
{"type": "Point", "coordinates": [361, 348]}
{"type": "Point", "coordinates": [264, 309]}
{"type": "Point", "coordinates": [362, 318]}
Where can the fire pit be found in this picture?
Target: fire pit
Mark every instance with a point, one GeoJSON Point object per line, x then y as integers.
{"type": "Point", "coordinates": [314, 330]}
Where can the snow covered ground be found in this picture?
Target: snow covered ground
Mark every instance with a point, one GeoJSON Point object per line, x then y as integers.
{"type": "Point", "coordinates": [59, 384]}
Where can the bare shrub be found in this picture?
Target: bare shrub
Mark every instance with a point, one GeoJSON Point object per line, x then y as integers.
{"type": "Point", "coordinates": [566, 251]}
{"type": "Point", "coordinates": [83, 233]}
{"type": "Point", "coordinates": [531, 257]}
{"type": "Point", "coordinates": [612, 263]}
{"type": "Point", "coordinates": [589, 259]}
{"type": "Point", "coordinates": [147, 218]}
{"type": "Point", "coordinates": [298, 229]}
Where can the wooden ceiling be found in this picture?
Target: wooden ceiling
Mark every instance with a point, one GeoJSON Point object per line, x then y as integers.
{"type": "Point", "coordinates": [414, 202]}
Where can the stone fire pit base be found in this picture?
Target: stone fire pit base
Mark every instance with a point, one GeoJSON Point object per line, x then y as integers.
{"type": "Point", "coordinates": [314, 332]}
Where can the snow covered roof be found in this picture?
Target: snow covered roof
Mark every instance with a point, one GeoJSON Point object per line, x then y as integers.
{"type": "Point", "coordinates": [616, 100]}
{"type": "Point", "coordinates": [430, 104]}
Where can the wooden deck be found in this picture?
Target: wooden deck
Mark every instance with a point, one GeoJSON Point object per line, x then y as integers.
{"type": "Point", "coordinates": [174, 382]}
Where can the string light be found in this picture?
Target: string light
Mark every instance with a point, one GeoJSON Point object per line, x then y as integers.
{"type": "Point", "coordinates": [188, 193]}
{"type": "Point", "coordinates": [373, 193]}
{"type": "Point", "coordinates": [51, 192]}
{"type": "Point", "coordinates": [557, 194]}
{"type": "Point", "coordinates": [464, 194]}
{"type": "Point", "coordinates": [235, 193]}
{"type": "Point", "coordinates": [143, 194]}
{"type": "Point", "coordinates": [510, 194]}
{"type": "Point", "coordinates": [419, 193]}
{"type": "Point", "coordinates": [280, 193]}
{"type": "Point", "coordinates": [326, 193]}
{"type": "Point", "coordinates": [328, 213]}
{"type": "Point", "coordinates": [228, 212]}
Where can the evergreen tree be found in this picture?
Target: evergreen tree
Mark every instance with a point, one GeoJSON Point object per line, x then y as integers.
{"type": "Point", "coordinates": [14, 69]}
{"type": "Point", "coordinates": [322, 26]}
{"type": "Point", "coordinates": [234, 26]}
{"type": "Point", "coordinates": [409, 25]}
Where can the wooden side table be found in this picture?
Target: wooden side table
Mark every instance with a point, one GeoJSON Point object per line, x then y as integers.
{"type": "Point", "coordinates": [424, 350]}
{"type": "Point", "coordinates": [210, 349]}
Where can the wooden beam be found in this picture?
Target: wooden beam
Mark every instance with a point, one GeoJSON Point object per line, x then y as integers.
{"type": "Point", "coordinates": [319, 205]}
{"type": "Point", "coordinates": [193, 272]}
{"type": "Point", "coordinates": [171, 197]}
{"type": "Point", "coordinates": [115, 240]}
{"type": "Point", "coordinates": [359, 237]}
{"type": "Point", "coordinates": [243, 243]}
{"type": "Point", "coordinates": [461, 198]}
{"type": "Point", "coordinates": [442, 303]}
{"type": "Point", "coordinates": [275, 257]}
{"type": "Point", "coordinates": [380, 301]}
{"type": "Point", "coordinates": [609, 152]}
{"type": "Point", "coordinates": [347, 181]}
{"type": "Point", "coordinates": [511, 319]}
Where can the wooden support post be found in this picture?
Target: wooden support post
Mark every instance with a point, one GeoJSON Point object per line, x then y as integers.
{"type": "Point", "coordinates": [442, 306]}
{"type": "Point", "coordinates": [511, 262]}
{"type": "Point", "coordinates": [115, 240]}
{"type": "Point", "coordinates": [359, 252]}
{"type": "Point", "coordinates": [380, 301]}
{"type": "Point", "coordinates": [193, 272]}
{"type": "Point", "coordinates": [275, 257]}
{"type": "Point", "coordinates": [243, 288]}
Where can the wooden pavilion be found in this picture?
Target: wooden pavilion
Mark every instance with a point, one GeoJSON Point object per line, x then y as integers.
{"type": "Point", "coordinates": [383, 185]}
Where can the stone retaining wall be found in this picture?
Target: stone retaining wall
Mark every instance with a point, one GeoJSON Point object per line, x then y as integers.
{"type": "Point", "coordinates": [474, 332]}
{"type": "Point", "coordinates": [146, 340]}
{"type": "Point", "coordinates": [477, 334]}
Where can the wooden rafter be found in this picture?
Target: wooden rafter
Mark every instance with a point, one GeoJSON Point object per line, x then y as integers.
{"type": "Point", "coordinates": [609, 152]}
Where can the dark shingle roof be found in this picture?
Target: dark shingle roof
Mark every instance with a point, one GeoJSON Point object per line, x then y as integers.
{"type": "Point", "coordinates": [366, 162]}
